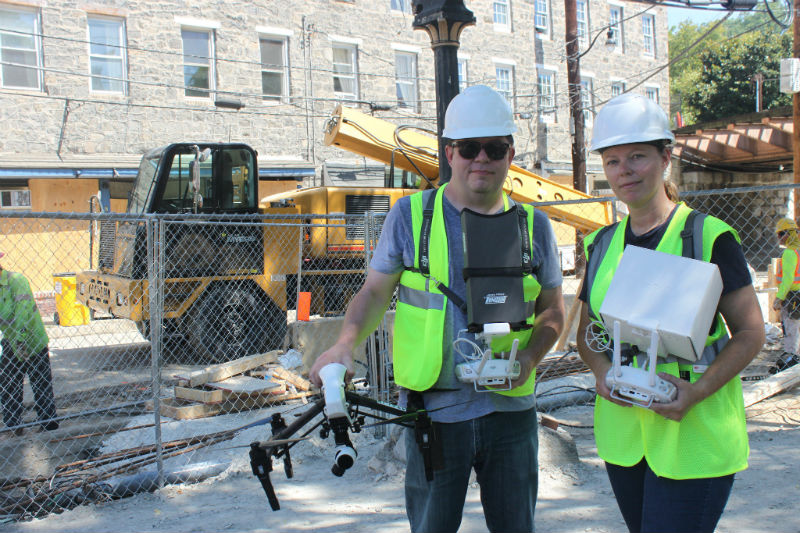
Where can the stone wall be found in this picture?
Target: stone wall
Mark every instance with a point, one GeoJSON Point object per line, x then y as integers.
{"type": "Point", "coordinates": [753, 214]}
{"type": "Point", "coordinates": [66, 118]}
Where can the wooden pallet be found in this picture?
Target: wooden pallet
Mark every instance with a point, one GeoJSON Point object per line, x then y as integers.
{"type": "Point", "coordinates": [248, 383]}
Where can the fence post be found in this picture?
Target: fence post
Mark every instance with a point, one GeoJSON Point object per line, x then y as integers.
{"type": "Point", "coordinates": [155, 269]}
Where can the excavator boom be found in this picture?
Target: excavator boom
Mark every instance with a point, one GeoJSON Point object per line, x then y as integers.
{"type": "Point", "coordinates": [412, 150]}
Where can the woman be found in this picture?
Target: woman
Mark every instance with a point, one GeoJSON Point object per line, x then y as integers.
{"type": "Point", "coordinates": [671, 466]}
{"type": "Point", "coordinates": [787, 299]}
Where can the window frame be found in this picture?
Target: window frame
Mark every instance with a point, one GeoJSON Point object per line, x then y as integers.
{"type": "Point", "coordinates": [400, 6]}
{"type": "Point", "coordinates": [508, 94]}
{"type": "Point", "coordinates": [649, 39]}
{"type": "Point", "coordinates": [37, 50]}
{"type": "Point", "coordinates": [121, 45]}
{"type": "Point", "coordinates": [282, 69]}
{"type": "Point", "coordinates": [352, 49]}
{"type": "Point", "coordinates": [616, 25]}
{"type": "Point", "coordinates": [587, 100]}
{"type": "Point", "coordinates": [620, 84]}
{"type": "Point", "coordinates": [13, 191]}
{"type": "Point", "coordinates": [212, 75]}
{"type": "Point", "coordinates": [411, 81]}
{"type": "Point", "coordinates": [501, 25]}
{"type": "Point", "coordinates": [543, 97]}
{"type": "Point", "coordinates": [650, 90]}
{"type": "Point", "coordinates": [582, 9]}
{"type": "Point", "coordinates": [463, 74]}
{"type": "Point", "coordinates": [541, 18]}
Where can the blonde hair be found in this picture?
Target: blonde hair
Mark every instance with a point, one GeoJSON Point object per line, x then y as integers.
{"type": "Point", "coordinates": [672, 190]}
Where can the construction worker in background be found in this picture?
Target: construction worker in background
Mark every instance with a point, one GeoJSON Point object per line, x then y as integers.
{"type": "Point", "coordinates": [671, 466]}
{"type": "Point", "coordinates": [493, 432]}
{"type": "Point", "coordinates": [24, 351]}
{"type": "Point", "coordinates": [787, 299]}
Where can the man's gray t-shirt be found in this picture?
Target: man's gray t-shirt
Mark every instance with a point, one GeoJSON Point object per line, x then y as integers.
{"type": "Point", "coordinates": [454, 401]}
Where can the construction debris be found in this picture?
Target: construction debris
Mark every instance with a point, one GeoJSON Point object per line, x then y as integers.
{"type": "Point", "coordinates": [754, 392]}
{"type": "Point", "coordinates": [247, 383]}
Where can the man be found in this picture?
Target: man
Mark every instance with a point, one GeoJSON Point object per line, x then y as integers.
{"type": "Point", "coordinates": [493, 432]}
{"type": "Point", "coordinates": [24, 351]}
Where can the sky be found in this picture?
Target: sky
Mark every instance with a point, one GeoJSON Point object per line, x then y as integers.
{"type": "Point", "coordinates": [676, 15]}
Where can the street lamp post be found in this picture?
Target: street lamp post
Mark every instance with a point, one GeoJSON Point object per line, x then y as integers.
{"type": "Point", "coordinates": [443, 20]}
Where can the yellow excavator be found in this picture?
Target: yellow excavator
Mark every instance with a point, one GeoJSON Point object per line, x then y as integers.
{"type": "Point", "coordinates": [227, 287]}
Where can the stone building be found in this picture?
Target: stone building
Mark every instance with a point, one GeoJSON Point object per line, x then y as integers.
{"type": "Point", "coordinates": [87, 87]}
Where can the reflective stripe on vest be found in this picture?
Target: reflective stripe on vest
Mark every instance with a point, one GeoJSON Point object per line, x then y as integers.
{"type": "Point", "coordinates": [421, 305]}
{"type": "Point", "coordinates": [779, 270]}
{"type": "Point", "coordinates": [711, 440]}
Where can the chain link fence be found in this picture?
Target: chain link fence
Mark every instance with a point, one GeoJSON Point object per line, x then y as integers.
{"type": "Point", "coordinates": [200, 330]}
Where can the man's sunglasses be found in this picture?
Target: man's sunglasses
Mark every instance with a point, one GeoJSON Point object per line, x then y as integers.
{"type": "Point", "coordinates": [782, 233]}
{"type": "Point", "coordinates": [495, 150]}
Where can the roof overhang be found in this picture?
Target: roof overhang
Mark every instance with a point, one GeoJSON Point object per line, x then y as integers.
{"type": "Point", "coordinates": [752, 142]}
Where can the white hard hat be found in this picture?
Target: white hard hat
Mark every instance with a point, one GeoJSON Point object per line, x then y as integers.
{"type": "Point", "coordinates": [479, 111]}
{"type": "Point", "coordinates": [627, 119]}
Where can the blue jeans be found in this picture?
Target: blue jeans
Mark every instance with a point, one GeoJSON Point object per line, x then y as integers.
{"type": "Point", "coordinates": [502, 449]}
{"type": "Point", "coordinates": [650, 503]}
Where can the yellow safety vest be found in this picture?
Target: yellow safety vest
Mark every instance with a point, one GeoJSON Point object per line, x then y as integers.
{"type": "Point", "coordinates": [779, 272]}
{"type": "Point", "coordinates": [421, 305]}
{"type": "Point", "coordinates": [711, 440]}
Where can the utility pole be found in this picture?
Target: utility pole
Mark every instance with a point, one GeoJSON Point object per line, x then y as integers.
{"type": "Point", "coordinates": [443, 20]}
{"type": "Point", "coordinates": [576, 114]}
{"type": "Point", "coordinates": [758, 81]}
{"type": "Point", "coordinates": [796, 112]}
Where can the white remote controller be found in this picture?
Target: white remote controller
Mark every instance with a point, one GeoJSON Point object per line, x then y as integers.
{"type": "Point", "coordinates": [634, 385]}
{"type": "Point", "coordinates": [495, 372]}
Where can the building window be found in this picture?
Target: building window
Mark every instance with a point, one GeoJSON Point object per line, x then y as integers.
{"type": "Point", "coordinates": [615, 27]}
{"type": "Point", "coordinates": [541, 17]}
{"type": "Point", "coordinates": [13, 199]}
{"type": "Point", "coordinates": [274, 68]}
{"type": "Point", "coordinates": [463, 74]}
{"type": "Point", "coordinates": [198, 65]}
{"type": "Point", "coordinates": [547, 90]}
{"type": "Point", "coordinates": [504, 75]}
{"type": "Point", "coordinates": [651, 93]}
{"type": "Point", "coordinates": [500, 15]}
{"type": "Point", "coordinates": [649, 35]}
{"type": "Point", "coordinates": [617, 88]}
{"type": "Point", "coordinates": [107, 55]}
{"type": "Point", "coordinates": [404, 6]}
{"type": "Point", "coordinates": [345, 71]}
{"type": "Point", "coordinates": [587, 102]}
{"type": "Point", "coordinates": [406, 80]}
{"type": "Point", "coordinates": [583, 22]}
{"type": "Point", "coordinates": [20, 48]}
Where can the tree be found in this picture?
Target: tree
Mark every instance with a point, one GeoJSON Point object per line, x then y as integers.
{"type": "Point", "coordinates": [714, 80]}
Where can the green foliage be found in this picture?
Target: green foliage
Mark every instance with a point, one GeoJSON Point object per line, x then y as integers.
{"type": "Point", "coordinates": [714, 79]}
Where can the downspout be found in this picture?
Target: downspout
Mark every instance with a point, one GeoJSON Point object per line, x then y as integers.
{"type": "Point", "coordinates": [64, 117]}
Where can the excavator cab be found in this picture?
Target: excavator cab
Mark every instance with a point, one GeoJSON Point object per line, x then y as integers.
{"type": "Point", "coordinates": [197, 178]}
{"type": "Point", "coordinates": [215, 295]}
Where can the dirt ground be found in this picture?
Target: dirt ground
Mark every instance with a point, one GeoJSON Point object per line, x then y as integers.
{"type": "Point", "coordinates": [574, 493]}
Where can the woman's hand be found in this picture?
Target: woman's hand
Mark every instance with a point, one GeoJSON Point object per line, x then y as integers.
{"type": "Point", "coordinates": [685, 399]}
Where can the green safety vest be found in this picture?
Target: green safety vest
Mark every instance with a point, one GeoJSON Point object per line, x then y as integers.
{"type": "Point", "coordinates": [421, 304]}
{"type": "Point", "coordinates": [711, 440]}
{"type": "Point", "coordinates": [20, 320]}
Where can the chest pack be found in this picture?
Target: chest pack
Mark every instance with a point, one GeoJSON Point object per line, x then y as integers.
{"type": "Point", "coordinates": [497, 255]}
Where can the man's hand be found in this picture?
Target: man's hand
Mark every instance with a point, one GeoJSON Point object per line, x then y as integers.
{"type": "Point", "coordinates": [777, 304]}
{"type": "Point", "coordinates": [337, 353]}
